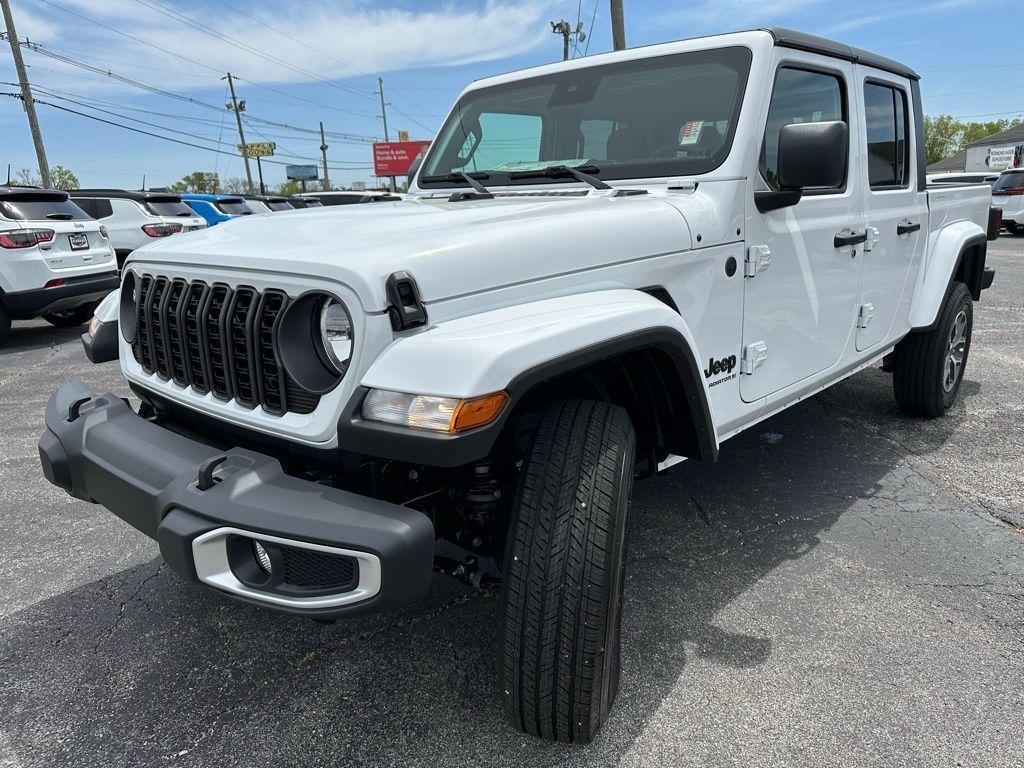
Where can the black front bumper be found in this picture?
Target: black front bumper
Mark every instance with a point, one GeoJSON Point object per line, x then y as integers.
{"type": "Point", "coordinates": [71, 294]}
{"type": "Point", "coordinates": [97, 449]}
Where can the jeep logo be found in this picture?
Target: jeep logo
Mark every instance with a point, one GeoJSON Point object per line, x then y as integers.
{"type": "Point", "coordinates": [715, 367]}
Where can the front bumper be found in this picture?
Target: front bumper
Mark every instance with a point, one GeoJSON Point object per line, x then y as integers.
{"type": "Point", "coordinates": [197, 501]}
{"type": "Point", "coordinates": [74, 292]}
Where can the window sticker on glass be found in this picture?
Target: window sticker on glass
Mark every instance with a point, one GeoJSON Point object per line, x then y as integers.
{"type": "Point", "coordinates": [690, 132]}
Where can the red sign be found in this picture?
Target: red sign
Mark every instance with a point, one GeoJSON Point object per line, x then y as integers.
{"type": "Point", "coordinates": [393, 158]}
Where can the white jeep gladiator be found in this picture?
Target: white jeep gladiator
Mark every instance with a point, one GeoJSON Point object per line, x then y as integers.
{"type": "Point", "coordinates": [604, 266]}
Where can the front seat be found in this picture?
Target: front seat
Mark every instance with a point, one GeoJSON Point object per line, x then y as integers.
{"type": "Point", "coordinates": [627, 143]}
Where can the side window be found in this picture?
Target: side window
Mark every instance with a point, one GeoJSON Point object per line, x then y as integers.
{"type": "Point", "coordinates": [799, 96]}
{"type": "Point", "coordinates": [504, 136]}
{"type": "Point", "coordinates": [885, 112]}
{"type": "Point", "coordinates": [87, 204]}
{"type": "Point", "coordinates": [103, 208]}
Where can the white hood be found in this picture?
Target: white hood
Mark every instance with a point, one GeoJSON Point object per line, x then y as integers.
{"type": "Point", "coordinates": [451, 249]}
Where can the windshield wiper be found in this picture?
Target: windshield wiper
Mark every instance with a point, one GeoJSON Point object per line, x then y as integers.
{"type": "Point", "coordinates": [480, 192]}
{"type": "Point", "coordinates": [555, 171]}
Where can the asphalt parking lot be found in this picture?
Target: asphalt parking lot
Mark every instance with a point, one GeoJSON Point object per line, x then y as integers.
{"type": "Point", "coordinates": [845, 587]}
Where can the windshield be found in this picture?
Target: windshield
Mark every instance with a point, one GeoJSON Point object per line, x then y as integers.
{"type": "Point", "coordinates": [233, 207]}
{"type": "Point", "coordinates": [36, 207]}
{"type": "Point", "coordinates": [170, 207]}
{"type": "Point", "coordinates": [663, 116]}
{"type": "Point", "coordinates": [1008, 181]}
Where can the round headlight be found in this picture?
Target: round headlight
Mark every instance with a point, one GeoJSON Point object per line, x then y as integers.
{"type": "Point", "coordinates": [336, 332]}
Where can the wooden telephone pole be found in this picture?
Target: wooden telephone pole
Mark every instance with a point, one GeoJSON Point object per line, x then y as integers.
{"type": "Point", "coordinates": [618, 26]}
{"type": "Point", "coordinates": [241, 135]}
{"type": "Point", "coordinates": [26, 95]}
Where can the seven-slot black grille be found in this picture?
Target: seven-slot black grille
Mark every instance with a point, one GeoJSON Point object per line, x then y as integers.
{"type": "Point", "coordinates": [217, 339]}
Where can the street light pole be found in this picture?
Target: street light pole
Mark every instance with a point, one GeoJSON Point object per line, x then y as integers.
{"type": "Point", "coordinates": [241, 134]}
{"type": "Point", "coordinates": [26, 95]}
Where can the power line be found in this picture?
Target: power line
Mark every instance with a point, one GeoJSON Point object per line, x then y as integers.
{"type": "Point", "coordinates": [165, 138]}
{"type": "Point", "coordinates": [590, 32]}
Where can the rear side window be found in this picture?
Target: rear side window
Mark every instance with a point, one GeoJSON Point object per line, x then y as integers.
{"type": "Point", "coordinates": [1008, 181]}
{"type": "Point", "coordinates": [167, 208]}
{"type": "Point", "coordinates": [799, 96]}
{"type": "Point", "coordinates": [885, 112]}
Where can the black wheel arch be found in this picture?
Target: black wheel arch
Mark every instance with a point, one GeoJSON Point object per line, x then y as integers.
{"type": "Point", "coordinates": [652, 373]}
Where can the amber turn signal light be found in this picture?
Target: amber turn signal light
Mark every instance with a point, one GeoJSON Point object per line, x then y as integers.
{"type": "Point", "coordinates": [478, 411]}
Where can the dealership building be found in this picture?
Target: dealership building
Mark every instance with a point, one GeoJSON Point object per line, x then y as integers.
{"type": "Point", "coordinates": [993, 153]}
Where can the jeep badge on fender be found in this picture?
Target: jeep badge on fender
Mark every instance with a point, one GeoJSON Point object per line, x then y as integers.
{"type": "Point", "coordinates": [306, 452]}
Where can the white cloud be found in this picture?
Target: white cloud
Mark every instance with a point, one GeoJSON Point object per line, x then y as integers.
{"type": "Point", "coordinates": [359, 38]}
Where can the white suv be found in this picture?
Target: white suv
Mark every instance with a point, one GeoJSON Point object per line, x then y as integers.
{"type": "Point", "coordinates": [1008, 194]}
{"type": "Point", "coordinates": [133, 219]}
{"type": "Point", "coordinates": [55, 262]}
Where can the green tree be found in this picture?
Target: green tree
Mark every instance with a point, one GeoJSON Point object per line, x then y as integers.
{"type": "Point", "coordinates": [944, 135]}
{"type": "Point", "coordinates": [234, 186]}
{"type": "Point", "coordinates": [203, 182]}
{"type": "Point", "coordinates": [60, 178]}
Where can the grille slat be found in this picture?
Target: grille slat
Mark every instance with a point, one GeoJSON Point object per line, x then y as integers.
{"type": "Point", "coordinates": [216, 339]}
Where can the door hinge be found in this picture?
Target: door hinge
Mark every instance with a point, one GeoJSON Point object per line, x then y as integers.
{"type": "Point", "coordinates": [758, 259]}
{"type": "Point", "coordinates": [872, 233]}
{"type": "Point", "coordinates": [867, 311]}
{"type": "Point", "coordinates": [753, 356]}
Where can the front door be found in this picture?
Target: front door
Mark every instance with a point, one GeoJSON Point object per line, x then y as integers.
{"type": "Point", "coordinates": [894, 209]}
{"type": "Point", "coordinates": [800, 306]}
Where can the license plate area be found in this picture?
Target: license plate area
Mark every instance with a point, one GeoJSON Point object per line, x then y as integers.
{"type": "Point", "coordinates": [79, 241]}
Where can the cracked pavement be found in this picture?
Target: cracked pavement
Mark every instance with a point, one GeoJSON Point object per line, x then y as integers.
{"type": "Point", "coordinates": [851, 593]}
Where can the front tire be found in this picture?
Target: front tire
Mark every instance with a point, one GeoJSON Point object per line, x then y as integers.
{"type": "Point", "coordinates": [930, 365]}
{"type": "Point", "coordinates": [564, 567]}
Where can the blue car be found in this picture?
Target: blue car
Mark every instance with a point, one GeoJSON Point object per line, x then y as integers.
{"type": "Point", "coordinates": [217, 208]}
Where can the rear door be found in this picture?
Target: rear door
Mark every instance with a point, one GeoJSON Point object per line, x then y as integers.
{"type": "Point", "coordinates": [894, 210]}
{"type": "Point", "coordinates": [799, 307]}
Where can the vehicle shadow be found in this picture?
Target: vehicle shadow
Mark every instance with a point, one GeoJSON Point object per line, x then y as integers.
{"type": "Point", "coordinates": [24, 337]}
{"type": "Point", "coordinates": [144, 668]}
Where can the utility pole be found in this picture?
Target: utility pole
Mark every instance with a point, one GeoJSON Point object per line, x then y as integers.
{"type": "Point", "coordinates": [618, 26]}
{"type": "Point", "coordinates": [237, 109]}
{"type": "Point", "coordinates": [384, 117]}
{"type": "Point", "coordinates": [26, 95]}
{"type": "Point", "coordinates": [562, 28]}
{"type": "Point", "coordinates": [323, 150]}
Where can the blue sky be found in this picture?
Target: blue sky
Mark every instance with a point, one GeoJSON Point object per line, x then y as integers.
{"type": "Point", "coordinates": [300, 62]}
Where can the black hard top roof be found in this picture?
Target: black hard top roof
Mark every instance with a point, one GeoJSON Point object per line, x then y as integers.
{"type": "Point", "coordinates": [801, 41]}
{"type": "Point", "coordinates": [127, 194]}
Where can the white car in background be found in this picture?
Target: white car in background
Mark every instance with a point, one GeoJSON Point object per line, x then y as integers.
{"type": "Point", "coordinates": [55, 261]}
{"type": "Point", "coordinates": [960, 177]}
{"type": "Point", "coordinates": [1008, 194]}
{"type": "Point", "coordinates": [133, 219]}
{"type": "Point", "coordinates": [351, 196]}
{"type": "Point", "coordinates": [268, 203]}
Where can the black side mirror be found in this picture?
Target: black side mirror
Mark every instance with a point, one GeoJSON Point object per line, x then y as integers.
{"type": "Point", "coordinates": [811, 155]}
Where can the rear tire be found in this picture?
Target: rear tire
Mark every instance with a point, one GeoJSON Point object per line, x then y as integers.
{"type": "Point", "coordinates": [929, 367]}
{"type": "Point", "coordinates": [564, 567]}
{"type": "Point", "coordinates": [5, 323]}
{"type": "Point", "coordinates": [71, 317]}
